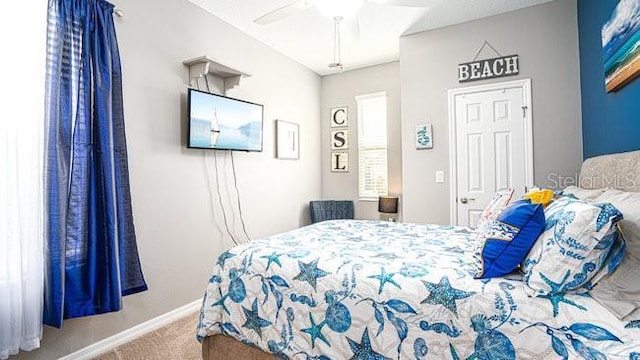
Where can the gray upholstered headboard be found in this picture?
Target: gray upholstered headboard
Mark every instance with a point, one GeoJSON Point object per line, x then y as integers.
{"type": "Point", "coordinates": [620, 171]}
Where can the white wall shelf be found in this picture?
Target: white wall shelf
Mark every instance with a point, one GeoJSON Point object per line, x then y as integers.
{"type": "Point", "coordinates": [202, 66]}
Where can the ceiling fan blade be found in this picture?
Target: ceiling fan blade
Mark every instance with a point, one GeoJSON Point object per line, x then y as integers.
{"type": "Point", "coordinates": [351, 27]}
{"type": "Point", "coordinates": [409, 3]}
{"type": "Point", "coordinates": [284, 11]}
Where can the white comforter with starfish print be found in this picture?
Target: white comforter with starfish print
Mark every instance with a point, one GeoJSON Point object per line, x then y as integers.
{"type": "Point", "coordinates": [376, 290]}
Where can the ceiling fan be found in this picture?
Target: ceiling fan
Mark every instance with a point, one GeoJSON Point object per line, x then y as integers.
{"type": "Point", "coordinates": [336, 8]}
{"type": "Point", "coordinates": [343, 13]}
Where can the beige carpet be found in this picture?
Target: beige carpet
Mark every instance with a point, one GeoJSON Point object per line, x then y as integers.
{"type": "Point", "coordinates": [173, 341]}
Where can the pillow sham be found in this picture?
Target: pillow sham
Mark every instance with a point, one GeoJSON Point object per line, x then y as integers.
{"type": "Point", "coordinates": [499, 201]}
{"type": "Point", "coordinates": [629, 204]}
{"type": "Point", "coordinates": [620, 291]}
{"type": "Point", "coordinates": [574, 246]}
{"type": "Point", "coordinates": [503, 242]}
{"type": "Point", "coordinates": [581, 193]}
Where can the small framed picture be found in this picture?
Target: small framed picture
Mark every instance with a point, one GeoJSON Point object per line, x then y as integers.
{"type": "Point", "coordinates": [424, 137]}
{"type": "Point", "coordinates": [287, 140]}
{"type": "Point", "coordinates": [340, 117]}
{"type": "Point", "coordinates": [340, 139]}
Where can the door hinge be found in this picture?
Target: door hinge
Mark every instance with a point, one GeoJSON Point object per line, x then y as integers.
{"type": "Point", "coordinates": [524, 111]}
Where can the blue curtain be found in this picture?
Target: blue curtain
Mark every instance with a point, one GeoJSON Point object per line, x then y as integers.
{"type": "Point", "coordinates": [91, 252]}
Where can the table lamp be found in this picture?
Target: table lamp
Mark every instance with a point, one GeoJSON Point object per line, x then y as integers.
{"type": "Point", "coordinates": [388, 205]}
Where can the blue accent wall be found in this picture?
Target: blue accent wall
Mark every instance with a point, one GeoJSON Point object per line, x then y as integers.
{"type": "Point", "coordinates": [610, 121]}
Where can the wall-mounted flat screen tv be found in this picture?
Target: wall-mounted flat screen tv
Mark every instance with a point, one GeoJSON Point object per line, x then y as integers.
{"type": "Point", "coordinates": [223, 123]}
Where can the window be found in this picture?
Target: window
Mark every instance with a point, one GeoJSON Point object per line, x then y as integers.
{"type": "Point", "coordinates": [372, 145]}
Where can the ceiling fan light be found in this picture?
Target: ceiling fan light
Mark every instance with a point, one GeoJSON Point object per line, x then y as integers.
{"type": "Point", "coordinates": [339, 8]}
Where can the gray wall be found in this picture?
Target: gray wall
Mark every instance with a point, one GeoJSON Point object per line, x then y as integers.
{"type": "Point", "coordinates": [341, 90]}
{"type": "Point", "coordinates": [546, 39]}
{"type": "Point", "coordinates": [177, 218]}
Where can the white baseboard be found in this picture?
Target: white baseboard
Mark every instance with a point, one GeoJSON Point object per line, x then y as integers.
{"type": "Point", "coordinates": [109, 343]}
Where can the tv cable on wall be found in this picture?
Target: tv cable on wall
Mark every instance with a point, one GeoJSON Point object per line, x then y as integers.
{"type": "Point", "coordinates": [235, 182]}
{"type": "Point", "coordinates": [217, 169]}
{"type": "Point", "coordinates": [224, 213]}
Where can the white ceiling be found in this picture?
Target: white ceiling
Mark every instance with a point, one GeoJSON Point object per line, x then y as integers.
{"type": "Point", "coordinates": [307, 37]}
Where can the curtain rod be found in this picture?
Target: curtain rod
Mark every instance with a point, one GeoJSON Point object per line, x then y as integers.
{"type": "Point", "coordinates": [118, 12]}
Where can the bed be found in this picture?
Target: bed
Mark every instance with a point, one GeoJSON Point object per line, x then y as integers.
{"type": "Point", "coordinates": [377, 290]}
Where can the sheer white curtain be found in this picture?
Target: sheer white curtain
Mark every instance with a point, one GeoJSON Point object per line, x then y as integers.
{"type": "Point", "coordinates": [21, 261]}
{"type": "Point", "coordinates": [23, 35]}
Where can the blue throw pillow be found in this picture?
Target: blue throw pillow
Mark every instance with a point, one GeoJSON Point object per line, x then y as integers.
{"type": "Point", "coordinates": [503, 243]}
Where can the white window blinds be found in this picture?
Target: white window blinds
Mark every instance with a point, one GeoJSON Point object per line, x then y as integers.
{"type": "Point", "coordinates": [372, 145]}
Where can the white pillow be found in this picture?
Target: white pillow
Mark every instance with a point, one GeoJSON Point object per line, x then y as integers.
{"type": "Point", "coordinates": [498, 203]}
{"type": "Point", "coordinates": [629, 204]}
{"type": "Point", "coordinates": [583, 194]}
{"type": "Point", "coordinates": [574, 246]}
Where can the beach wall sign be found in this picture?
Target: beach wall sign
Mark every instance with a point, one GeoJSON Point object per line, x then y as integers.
{"type": "Point", "coordinates": [489, 68]}
{"type": "Point", "coordinates": [621, 45]}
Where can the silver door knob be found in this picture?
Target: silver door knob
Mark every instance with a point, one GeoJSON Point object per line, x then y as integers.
{"type": "Point", "coordinates": [466, 200]}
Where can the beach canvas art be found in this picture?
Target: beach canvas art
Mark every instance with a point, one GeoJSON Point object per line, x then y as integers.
{"type": "Point", "coordinates": [621, 45]}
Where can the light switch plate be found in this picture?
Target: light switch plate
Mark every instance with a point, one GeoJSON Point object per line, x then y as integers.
{"type": "Point", "coordinates": [439, 176]}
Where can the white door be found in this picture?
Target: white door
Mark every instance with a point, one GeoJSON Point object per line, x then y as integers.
{"type": "Point", "coordinates": [492, 146]}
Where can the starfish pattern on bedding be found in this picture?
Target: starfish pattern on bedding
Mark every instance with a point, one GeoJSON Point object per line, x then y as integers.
{"type": "Point", "coordinates": [363, 350]}
{"type": "Point", "coordinates": [384, 278]}
{"type": "Point", "coordinates": [310, 273]}
{"type": "Point", "coordinates": [273, 258]}
{"type": "Point", "coordinates": [557, 293]}
{"type": "Point", "coordinates": [445, 295]}
{"type": "Point", "coordinates": [220, 302]}
{"type": "Point", "coordinates": [316, 332]}
{"type": "Point", "coordinates": [254, 321]}
{"type": "Point", "coordinates": [556, 299]}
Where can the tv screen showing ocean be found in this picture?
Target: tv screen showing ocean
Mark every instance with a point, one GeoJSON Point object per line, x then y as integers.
{"type": "Point", "coordinates": [247, 137]}
{"type": "Point", "coordinates": [218, 122]}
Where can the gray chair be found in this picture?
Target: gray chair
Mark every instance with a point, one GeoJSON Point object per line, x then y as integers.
{"type": "Point", "coordinates": [322, 210]}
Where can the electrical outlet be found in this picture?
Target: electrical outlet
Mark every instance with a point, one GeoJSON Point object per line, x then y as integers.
{"type": "Point", "coordinates": [439, 176]}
